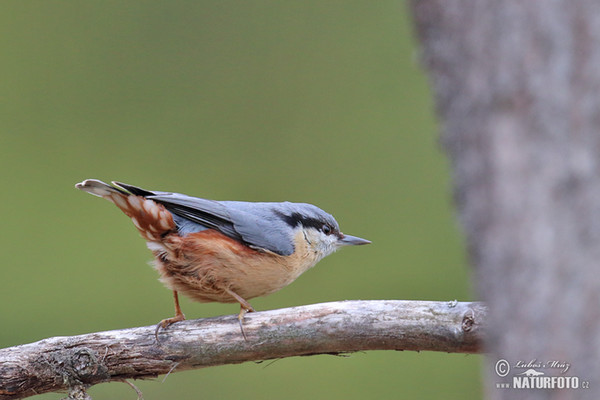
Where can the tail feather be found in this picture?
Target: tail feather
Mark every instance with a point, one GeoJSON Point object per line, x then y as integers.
{"type": "Point", "coordinates": [133, 189]}
{"type": "Point", "coordinates": [150, 218]}
{"type": "Point", "coordinates": [98, 188]}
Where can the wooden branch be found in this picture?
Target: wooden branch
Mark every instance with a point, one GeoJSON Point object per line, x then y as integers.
{"type": "Point", "coordinates": [77, 362]}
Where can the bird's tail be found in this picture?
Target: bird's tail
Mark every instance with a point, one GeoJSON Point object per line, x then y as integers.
{"type": "Point", "coordinates": [149, 217]}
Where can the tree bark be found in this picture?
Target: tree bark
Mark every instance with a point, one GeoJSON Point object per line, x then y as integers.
{"type": "Point", "coordinates": [77, 362]}
{"type": "Point", "coordinates": [517, 86]}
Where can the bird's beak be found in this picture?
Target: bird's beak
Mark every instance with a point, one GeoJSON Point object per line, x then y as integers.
{"type": "Point", "coordinates": [347, 240]}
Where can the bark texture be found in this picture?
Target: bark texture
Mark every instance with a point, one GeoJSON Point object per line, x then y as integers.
{"type": "Point", "coordinates": [517, 88]}
{"type": "Point", "coordinates": [77, 362]}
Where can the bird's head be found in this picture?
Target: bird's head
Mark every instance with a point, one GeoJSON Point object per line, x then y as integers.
{"type": "Point", "coordinates": [319, 229]}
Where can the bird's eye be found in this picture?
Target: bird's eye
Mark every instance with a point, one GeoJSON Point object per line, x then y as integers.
{"type": "Point", "coordinates": [326, 229]}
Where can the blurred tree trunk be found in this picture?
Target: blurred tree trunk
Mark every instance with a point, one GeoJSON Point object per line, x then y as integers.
{"type": "Point", "coordinates": [517, 87]}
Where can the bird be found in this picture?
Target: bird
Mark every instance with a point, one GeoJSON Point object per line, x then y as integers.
{"type": "Point", "coordinates": [225, 251]}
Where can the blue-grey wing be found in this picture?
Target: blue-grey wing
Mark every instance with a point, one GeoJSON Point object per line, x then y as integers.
{"type": "Point", "coordinates": [261, 225]}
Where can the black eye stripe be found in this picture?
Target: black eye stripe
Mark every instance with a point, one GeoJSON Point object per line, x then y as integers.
{"type": "Point", "coordinates": [297, 219]}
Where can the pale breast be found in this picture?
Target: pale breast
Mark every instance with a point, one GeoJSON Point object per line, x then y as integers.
{"type": "Point", "coordinates": [202, 264]}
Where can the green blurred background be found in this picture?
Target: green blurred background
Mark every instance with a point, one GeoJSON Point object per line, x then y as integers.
{"type": "Point", "coordinates": [314, 101]}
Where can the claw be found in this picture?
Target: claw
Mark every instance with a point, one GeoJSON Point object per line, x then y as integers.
{"type": "Point", "coordinates": [245, 307]}
{"type": "Point", "coordinates": [169, 321]}
{"type": "Point", "coordinates": [166, 322]}
{"type": "Point", "coordinates": [240, 318]}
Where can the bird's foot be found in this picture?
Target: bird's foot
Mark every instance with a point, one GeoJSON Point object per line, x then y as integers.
{"type": "Point", "coordinates": [244, 311]}
{"type": "Point", "coordinates": [166, 322]}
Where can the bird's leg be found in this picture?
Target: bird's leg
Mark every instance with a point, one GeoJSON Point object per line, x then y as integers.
{"type": "Point", "coordinates": [245, 307]}
{"type": "Point", "coordinates": [166, 322]}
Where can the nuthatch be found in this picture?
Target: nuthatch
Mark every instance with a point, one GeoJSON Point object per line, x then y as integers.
{"type": "Point", "coordinates": [225, 251]}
